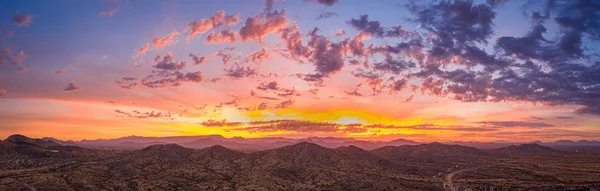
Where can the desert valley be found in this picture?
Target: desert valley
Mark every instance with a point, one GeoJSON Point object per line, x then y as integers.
{"type": "Point", "coordinates": [217, 163]}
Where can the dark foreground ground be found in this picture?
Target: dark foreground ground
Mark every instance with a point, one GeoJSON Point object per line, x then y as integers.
{"type": "Point", "coordinates": [35, 164]}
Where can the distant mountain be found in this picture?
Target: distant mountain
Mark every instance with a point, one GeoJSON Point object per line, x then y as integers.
{"type": "Point", "coordinates": [526, 149]}
{"type": "Point", "coordinates": [430, 152]}
{"type": "Point", "coordinates": [23, 140]}
{"type": "Point", "coordinates": [570, 142]}
{"type": "Point", "coordinates": [208, 142]}
{"type": "Point", "coordinates": [255, 144]}
{"type": "Point", "coordinates": [357, 153]}
{"type": "Point", "coordinates": [20, 146]}
{"type": "Point", "coordinates": [237, 143]}
{"type": "Point", "coordinates": [398, 142]}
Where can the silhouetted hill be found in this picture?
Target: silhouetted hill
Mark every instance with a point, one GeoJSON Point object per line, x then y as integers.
{"type": "Point", "coordinates": [398, 142]}
{"type": "Point", "coordinates": [430, 152]}
{"type": "Point", "coordinates": [208, 142]}
{"type": "Point", "coordinates": [526, 149]}
{"type": "Point", "coordinates": [20, 146]}
{"type": "Point", "coordinates": [23, 140]}
{"type": "Point", "coordinates": [164, 150]}
{"type": "Point", "coordinates": [256, 144]}
{"type": "Point", "coordinates": [304, 153]}
{"type": "Point", "coordinates": [357, 153]}
{"type": "Point", "coordinates": [218, 152]}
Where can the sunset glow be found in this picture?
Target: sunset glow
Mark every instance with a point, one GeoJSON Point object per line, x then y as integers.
{"type": "Point", "coordinates": [370, 70]}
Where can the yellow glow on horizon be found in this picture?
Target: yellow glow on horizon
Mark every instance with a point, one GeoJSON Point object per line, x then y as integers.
{"type": "Point", "coordinates": [336, 115]}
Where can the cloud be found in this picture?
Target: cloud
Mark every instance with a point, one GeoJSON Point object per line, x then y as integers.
{"type": "Point", "coordinates": [240, 71]}
{"type": "Point", "coordinates": [371, 27]}
{"type": "Point", "coordinates": [274, 87]}
{"type": "Point", "coordinates": [175, 78]}
{"type": "Point", "coordinates": [168, 63]}
{"type": "Point", "coordinates": [167, 72]}
{"type": "Point", "coordinates": [563, 117]}
{"type": "Point", "coordinates": [340, 32]}
{"type": "Point", "coordinates": [198, 59]}
{"type": "Point", "coordinates": [143, 49]}
{"type": "Point", "coordinates": [374, 28]}
{"type": "Point", "coordinates": [16, 59]}
{"type": "Point", "coordinates": [399, 85]}
{"type": "Point", "coordinates": [233, 102]}
{"type": "Point", "coordinates": [255, 28]}
{"type": "Point", "coordinates": [267, 98]}
{"type": "Point", "coordinates": [71, 87]}
{"type": "Point", "coordinates": [230, 20]}
{"type": "Point", "coordinates": [167, 40]}
{"type": "Point", "coordinates": [285, 104]}
{"type": "Point", "coordinates": [460, 21]}
{"type": "Point", "coordinates": [432, 127]}
{"type": "Point", "coordinates": [21, 20]}
{"type": "Point", "coordinates": [324, 2]}
{"type": "Point", "coordinates": [263, 106]}
{"type": "Point", "coordinates": [145, 115]}
{"type": "Point", "coordinates": [226, 55]}
{"type": "Point", "coordinates": [289, 125]}
{"type": "Point", "coordinates": [528, 68]}
{"type": "Point", "coordinates": [62, 71]}
{"type": "Point", "coordinates": [292, 38]}
{"type": "Point", "coordinates": [269, 5]}
{"type": "Point", "coordinates": [259, 56]}
{"type": "Point", "coordinates": [216, 21]}
{"type": "Point", "coordinates": [191, 77]}
{"type": "Point", "coordinates": [325, 15]}
{"type": "Point", "coordinates": [514, 124]}
{"type": "Point", "coordinates": [3, 93]}
{"type": "Point", "coordinates": [109, 12]}
{"type": "Point", "coordinates": [327, 56]}
{"type": "Point", "coordinates": [221, 37]}
{"type": "Point", "coordinates": [268, 86]}
{"type": "Point", "coordinates": [216, 123]}
{"type": "Point", "coordinates": [199, 27]}
{"type": "Point", "coordinates": [354, 93]}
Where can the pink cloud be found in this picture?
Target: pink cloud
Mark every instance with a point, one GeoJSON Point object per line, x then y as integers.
{"type": "Point", "coordinates": [340, 32]}
{"type": "Point", "coordinates": [22, 20]}
{"type": "Point", "coordinates": [6, 57]}
{"type": "Point", "coordinates": [221, 37]}
{"type": "Point", "coordinates": [145, 115]}
{"type": "Point", "coordinates": [258, 57]}
{"type": "Point", "coordinates": [143, 49]}
{"type": "Point", "coordinates": [255, 28]}
{"type": "Point", "coordinates": [199, 27]}
{"type": "Point", "coordinates": [293, 41]}
{"type": "Point", "coordinates": [165, 41]}
{"type": "Point", "coordinates": [218, 20]}
{"type": "Point", "coordinates": [198, 59]}
{"type": "Point", "coordinates": [3, 92]}
{"type": "Point", "coordinates": [109, 12]}
{"type": "Point", "coordinates": [232, 20]}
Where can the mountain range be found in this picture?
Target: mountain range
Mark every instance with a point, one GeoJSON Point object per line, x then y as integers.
{"type": "Point", "coordinates": [48, 164]}
{"type": "Point", "coordinates": [254, 144]}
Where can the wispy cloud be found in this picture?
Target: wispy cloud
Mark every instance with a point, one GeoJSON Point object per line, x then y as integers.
{"type": "Point", "coordinates": [22, 20]}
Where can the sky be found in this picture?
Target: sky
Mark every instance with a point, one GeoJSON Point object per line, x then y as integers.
{"type": "Point", "coordinates": [371, 70]}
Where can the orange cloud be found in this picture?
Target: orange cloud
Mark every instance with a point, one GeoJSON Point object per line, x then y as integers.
{"type": "Point", "coordinates": [255, 28]}
{"type": "Point", "coordinates": [165, 41]}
